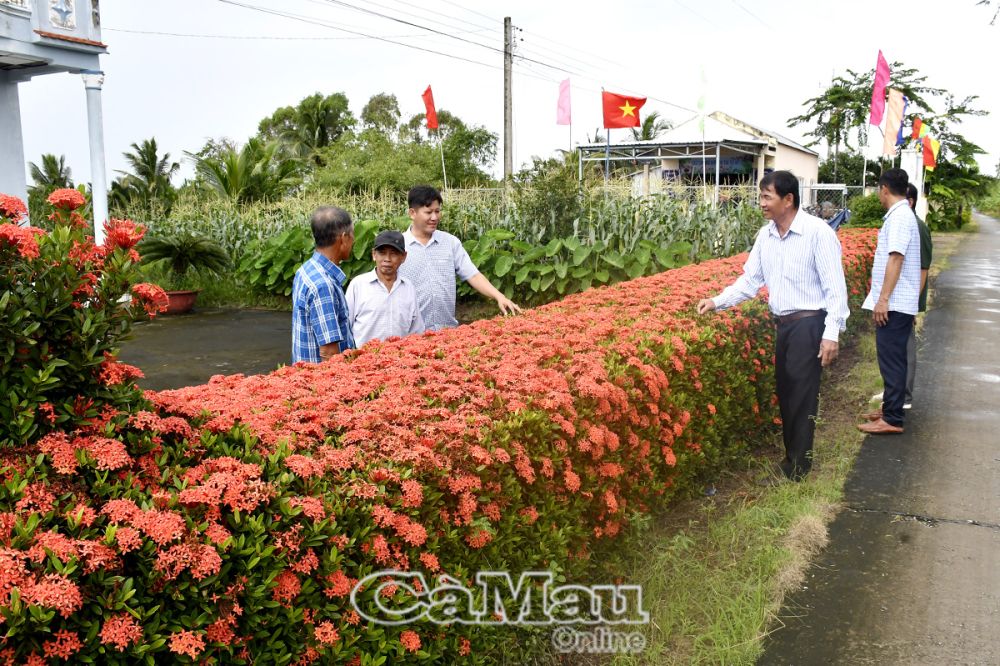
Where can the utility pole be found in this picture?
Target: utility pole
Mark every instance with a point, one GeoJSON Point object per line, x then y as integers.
{"type": "Point", "coordinates": [508, 118]}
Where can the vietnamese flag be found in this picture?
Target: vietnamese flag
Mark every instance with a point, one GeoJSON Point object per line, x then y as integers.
{"type": "Point", "coordinates": [432, 116]}
{"type": "Point", "coordinates": [621, 111]}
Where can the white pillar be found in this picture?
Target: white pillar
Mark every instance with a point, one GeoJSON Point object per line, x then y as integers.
{"type": "Point", "coordinates": [12, 177]}
{"type": "Point", "coordinates": [911, 161]}
{"type": "Point", "coordinates": [92, 81]}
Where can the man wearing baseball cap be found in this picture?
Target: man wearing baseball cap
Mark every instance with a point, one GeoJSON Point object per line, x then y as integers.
{"type": "Point", "coordinates": [382, 303]}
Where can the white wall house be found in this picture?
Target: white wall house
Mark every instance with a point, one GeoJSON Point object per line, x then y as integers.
{"type": "Point", "coordinates": [39, 37]}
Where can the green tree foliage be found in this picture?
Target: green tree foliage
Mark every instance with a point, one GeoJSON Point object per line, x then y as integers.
{"type": "Point", "coordinates": [652, 127]}
{"type": "Point", "coordinates": [309, 127]}
{"type": "Point", "coordinates": [258, 171]}
{"type": "Point", "coordinates": [841, 112]}
{"type": "Point", "coordinates": [847, 169]}
{"type": "Point", "coordinates": [382, 114]}
{"type": "Point", "coordinates": [147, 186]}
{"type": "Point", "coordinates": [53, 174]}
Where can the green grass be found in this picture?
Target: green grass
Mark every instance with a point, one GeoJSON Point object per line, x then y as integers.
{"type": "Point", "coordinates": [716, 569]}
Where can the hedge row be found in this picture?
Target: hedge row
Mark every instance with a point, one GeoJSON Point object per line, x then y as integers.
{"type": "Point", "coordinates": [229, 522]}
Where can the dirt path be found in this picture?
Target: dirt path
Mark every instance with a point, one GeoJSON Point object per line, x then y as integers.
{"type": "Point", "coordinates": [912, 573]}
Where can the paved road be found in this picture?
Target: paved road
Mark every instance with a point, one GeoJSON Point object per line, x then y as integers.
{"type": "Point", "coordinates": [185, 350]}
{"type": "Point", "coordinates": [912, 573]}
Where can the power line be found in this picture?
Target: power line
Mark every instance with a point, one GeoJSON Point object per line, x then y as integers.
{"type": "Point", "coordinates": [458, 29]}
{"type": "Point", "coordinates": [313, 21]}
{"type": "Point", "coordinates": [457, 18]}
{"type": "Point", "coordinates": [471, 11]}
{"type": "Point", "coordinates": [439, 32]}
{"type": "Point", "coordinates": [759, 20]}
{"type": "Point", "coordinates": [249, 37]}
{"type": "Point", "coordinates": [574, 48]}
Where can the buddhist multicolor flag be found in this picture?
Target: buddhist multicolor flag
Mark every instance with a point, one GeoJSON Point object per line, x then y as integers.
{"type": "Point", "coordinates": [899, 133]}
{"type": "Point", "coordinates": [931, 148]}
{"type": "Point", "coordinates": [878, 91]}
{"type": "Point", "coordinates": [432, 116]}
{"type": "Point", "coordinates": [564, 114]}
{"type": "Point", "coordinates": [919, 129]}
{"type": "Point", "coordinates": [893, 121]}
{"type": "Point", "coordinates": [620, 110]}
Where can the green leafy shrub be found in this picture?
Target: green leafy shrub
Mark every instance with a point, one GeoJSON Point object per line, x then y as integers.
{"type": "Point", "coordinates": [64, 308]}
{"type": "Point", "coordinates": [866, 211]}
{"type": "Point", "coordinates": [269, 266]}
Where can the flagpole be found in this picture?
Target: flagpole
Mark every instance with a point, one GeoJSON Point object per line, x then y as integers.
{"type": "Point", "coordinates": [607, 160]}
{"type": "Point", "coordinates": [443, 171]}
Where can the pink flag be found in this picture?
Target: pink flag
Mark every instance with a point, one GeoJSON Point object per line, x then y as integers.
{"type": "Point", "coordinates": [563, 115]}
{"type": "Point", "coordinates": [893, 121]}
{"type": "Point", "coordinates": [878, 92]}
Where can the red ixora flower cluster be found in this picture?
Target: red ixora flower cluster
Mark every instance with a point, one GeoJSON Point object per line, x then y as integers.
{"type": "Point", "coordinates": [124, 234]}
{"type": "Point", "coordinates": [67, 199]}
{"type": "Point", "coordinates": [12, 208]}
{"type": "Point", "coordinates": [151, 296]}
{"type": "Point", "coordinates": [23, 239]}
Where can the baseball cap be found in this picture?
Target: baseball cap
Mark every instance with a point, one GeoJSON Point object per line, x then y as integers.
{"type": "Point", "coordinates": [392, 238]}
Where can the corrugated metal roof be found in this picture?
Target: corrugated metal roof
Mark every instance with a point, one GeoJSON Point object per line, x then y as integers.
{"type": "Point", "coordinates": [716, 131]}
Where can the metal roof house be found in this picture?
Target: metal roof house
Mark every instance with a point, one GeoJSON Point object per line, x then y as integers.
{"type": "Point", "coordinates": [727, 151]}
{"type": "Point", "coordinates": [40, 37]}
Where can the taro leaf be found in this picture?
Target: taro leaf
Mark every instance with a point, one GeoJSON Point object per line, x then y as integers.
{"type": "Point", "coordinates": [553, 247]}
{"type": "Point", "coordinates": [522, 274]}
{"type": "Point", "coordinates": [580, 254]}
{"type": "Point", "coordinates": [614, 259]}
{"type": "Point", "coordinates": [503, 265]}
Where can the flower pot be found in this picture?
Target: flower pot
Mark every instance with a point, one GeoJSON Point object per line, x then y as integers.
{"type": "Point", "coordinates": [179, 302]}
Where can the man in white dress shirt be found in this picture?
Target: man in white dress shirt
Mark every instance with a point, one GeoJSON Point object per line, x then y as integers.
{"type": "Point", "coordinates": [797, 256]}
{"type": "Point", "coordinates": [435, 257]}
{"type": "Point", "coordinates": [894, 298]}
{"type": "Point", "coordinates": [382, 303]}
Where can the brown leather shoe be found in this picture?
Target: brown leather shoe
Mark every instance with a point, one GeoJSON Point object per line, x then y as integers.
{"type": "Point", "coordinates": [872, 416]}
{"type": "Point", "coordinates": [880, 427]}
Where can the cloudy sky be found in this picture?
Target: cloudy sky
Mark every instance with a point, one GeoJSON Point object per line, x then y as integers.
{"type": "Point", "coordinates": [187, 70]}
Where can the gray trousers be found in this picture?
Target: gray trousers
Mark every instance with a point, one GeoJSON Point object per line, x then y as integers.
{"type": "Point", "coordinates": [911, 362]}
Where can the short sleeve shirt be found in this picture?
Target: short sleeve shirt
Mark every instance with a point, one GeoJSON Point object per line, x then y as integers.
{"type": "Point", "coordinates": [319, 310]}
{"type": "Point", "coordinates": [377, 313]}
{"type": "Point", "coordinates": [898, 234]}
{"type": "Point", "coordinates": [432, 269]}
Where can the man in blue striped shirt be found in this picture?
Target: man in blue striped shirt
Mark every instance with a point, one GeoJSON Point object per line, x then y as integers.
{"type": "Point", "coordinates": [321, 326]}
{"type": "Point", "coordinates": [797, 256]}
{"type": "Point", "coordinates": [893, 299]}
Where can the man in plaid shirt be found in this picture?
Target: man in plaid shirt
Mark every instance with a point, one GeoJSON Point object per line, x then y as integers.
{"type": "Point", "coordinates": [321, 324]}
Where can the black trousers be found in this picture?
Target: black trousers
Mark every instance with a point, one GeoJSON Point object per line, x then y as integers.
{"type": "Point", "coordinates": [797, 370]}
{"type": "Point", "coordinates": [890, 345]}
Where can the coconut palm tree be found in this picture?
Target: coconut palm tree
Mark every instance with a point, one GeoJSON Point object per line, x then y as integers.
{"type": "Point", "coordinates": [148, 184]}
{"type": "Point", "coordinates": [652, 127]}
{"type": "Point", "coordinates": [52, 175]}
{"type": "Point", "coordinates": [258, 171]}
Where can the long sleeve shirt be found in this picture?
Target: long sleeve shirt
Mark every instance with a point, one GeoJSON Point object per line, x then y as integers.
{"type": "Point", "coordinates": [802, 271]}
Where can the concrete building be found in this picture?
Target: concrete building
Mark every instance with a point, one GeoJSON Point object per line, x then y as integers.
{"type": "Point", "coordinates": [40, 37]}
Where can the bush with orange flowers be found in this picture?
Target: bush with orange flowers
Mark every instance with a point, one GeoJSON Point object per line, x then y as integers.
{"type": "Point", "coordinates": [230, 522]}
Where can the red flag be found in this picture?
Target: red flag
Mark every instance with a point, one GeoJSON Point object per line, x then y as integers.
{"type": "Point", "coordinates": [621, 111]}
{"type": "Point", "coordinates": [878, 92]}
{"type": "Point", "coordinates": [917, 122]}
{"type": "Point", "coordinates": [432, 115]}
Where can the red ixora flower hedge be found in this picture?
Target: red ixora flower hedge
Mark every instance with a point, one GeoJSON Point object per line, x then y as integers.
{"type": "Point", "coordinates": [231, 521]}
